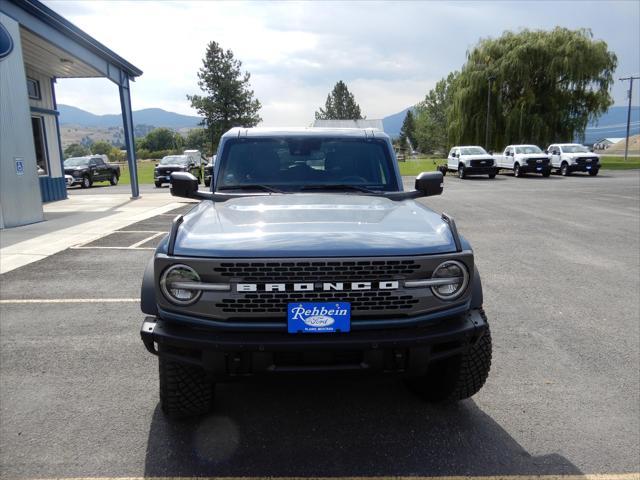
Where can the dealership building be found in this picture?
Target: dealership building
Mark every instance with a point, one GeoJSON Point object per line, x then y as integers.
{"type": "Point", "coordinates": [38, 47]}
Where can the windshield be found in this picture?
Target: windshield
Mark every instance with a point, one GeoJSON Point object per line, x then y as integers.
{"type": "Point", "coordinates": [528, 149]}
{"type": "Point", "coordinates": [174, 160]}
{"type": "Point", "coordinates": [473, 151]}
{"type": "Point", "coordinates": [297, 163]}
{"type": "Point", "coordinates": [76, 162]}
{"type": "Point", "coordinates": [574, 149]}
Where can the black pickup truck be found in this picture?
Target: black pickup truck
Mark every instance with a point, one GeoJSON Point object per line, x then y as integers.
{"type": "Point", "coordinates": [84, 171]}
{"type": "Point", "coordinates": [307, 255]}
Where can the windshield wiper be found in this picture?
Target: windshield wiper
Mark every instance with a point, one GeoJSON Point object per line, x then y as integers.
{"type": "Point", "coordinates": [264, 188]}
{"type": "Point", "coordinates": [355, 188]}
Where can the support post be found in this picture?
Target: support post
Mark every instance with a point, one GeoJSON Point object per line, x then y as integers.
{"type": "Point", "coordinates": [127, 124]}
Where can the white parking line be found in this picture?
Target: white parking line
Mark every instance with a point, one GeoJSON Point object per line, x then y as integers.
{"type": "Point", "coordinates": [112, 248]}
{"type": "Point", "coordinates": [145, 240]}
{"type": "Point", "coordinates": [68, 300]}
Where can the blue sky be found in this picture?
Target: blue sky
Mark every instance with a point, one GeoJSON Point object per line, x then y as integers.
{"type": "Point", "coordinates": [389, 53]}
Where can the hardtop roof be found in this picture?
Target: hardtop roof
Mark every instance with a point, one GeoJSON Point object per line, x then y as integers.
{"type": "Point", "coordinates": [276, 132]}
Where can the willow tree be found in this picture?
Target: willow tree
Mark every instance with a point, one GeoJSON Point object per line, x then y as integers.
{"type": "Point", "coordinates": [547, 86]}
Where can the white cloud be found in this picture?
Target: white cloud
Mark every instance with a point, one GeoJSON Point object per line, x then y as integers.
{"type": "Point", "coordinates": [389, 53]}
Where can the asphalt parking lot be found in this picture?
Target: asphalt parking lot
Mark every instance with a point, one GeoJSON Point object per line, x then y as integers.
{"type": "Point", "coordinates": [560, 262]}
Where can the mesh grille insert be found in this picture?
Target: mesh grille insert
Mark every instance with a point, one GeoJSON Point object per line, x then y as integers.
{"type": "Point", "coordinates": [364, 303]}
{"type": "Point", "coordinates": [317, 271]}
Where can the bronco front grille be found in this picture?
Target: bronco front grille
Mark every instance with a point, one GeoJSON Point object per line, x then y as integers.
{"type": "Point", "coordinates": [275, 304]}
{"type": "Point", "coordinates": [318, 271]}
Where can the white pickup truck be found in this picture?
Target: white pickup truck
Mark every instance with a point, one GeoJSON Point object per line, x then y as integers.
{"type": "Point", "coordinates": [524, 159]}
{"type": "Point", "coordinates": [573, 157]}
{"type": "Point", "coordinates": [470, 160]}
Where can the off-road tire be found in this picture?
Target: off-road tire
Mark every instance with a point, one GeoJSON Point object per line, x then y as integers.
{"type": "Point", "coordinates": [593, 173]}
{"type": "Point", "coordinates": [185, 390]}
{"type": "Point", "coordinates": [86, 182]}
{"type": "Point", "coordinates": [564, 169]}
{"type": "Point", "coordinates": [461, 172]}
{"type": "Point", "coordinates": [114, 179]}
{"type": "Point", "coordinates": [492, 175]}
{"type": "Point", "coordinates": [158, 184]}
{"type": "Point", "coordinates": [456, 378]}
{"type": "Point", "coordinates": [546, 173]}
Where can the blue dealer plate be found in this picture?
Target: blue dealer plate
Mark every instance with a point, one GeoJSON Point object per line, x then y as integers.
{"type": "Point", "coordinates": [319, 317]}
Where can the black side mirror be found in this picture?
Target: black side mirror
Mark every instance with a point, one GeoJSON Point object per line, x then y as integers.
{"type": "Point", "coordinates": [430, 183]}
{"type": "Point", "coordinates": [547, 152]}
{"type": "Point", "coordinates": [183, 184]}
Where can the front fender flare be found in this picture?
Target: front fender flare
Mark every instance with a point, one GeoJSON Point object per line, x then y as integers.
{"type": "Point", "coordinates": [476, 290]}
{"type": "Point", "coordinates": [148, 303]}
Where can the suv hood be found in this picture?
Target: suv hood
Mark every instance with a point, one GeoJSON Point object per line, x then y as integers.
{"type": "Point", "coordinates": [526, 156]}
{"type": "Point", "coordinates": [581, 155]}
{"type": "Point", "coordinates": [171, 166]}
{"type": "Point", "coordinates": [311, 225]}
{"type": "Point", "coordinates": [477, 157]}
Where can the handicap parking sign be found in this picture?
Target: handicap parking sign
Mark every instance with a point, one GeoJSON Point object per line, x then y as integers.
{"type": "Point", "coordinates": [19, 166]}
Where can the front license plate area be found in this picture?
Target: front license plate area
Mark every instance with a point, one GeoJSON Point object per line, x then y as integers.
{"type": "Point", "coordinates": [319, 317]}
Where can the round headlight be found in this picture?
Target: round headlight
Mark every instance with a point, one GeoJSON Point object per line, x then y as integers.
{"type": "Point", "coordinates": [457, 272]}
{"type": "Point", "coordinates": [171, 288]}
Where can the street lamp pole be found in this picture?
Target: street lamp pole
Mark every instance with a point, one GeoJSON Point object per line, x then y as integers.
{"type": "Point", "coordinates": [491, 78]}
{"type": "Point", "coordinates": [630, 92]}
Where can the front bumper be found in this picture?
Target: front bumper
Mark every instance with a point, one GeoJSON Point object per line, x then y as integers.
{"type": "Point", "coordinates": [535, 169]}
{"type": "Point", "coordinates": [480, 170]}
{"type": "Point", "coordinates": [229, 354]}
{"type": "Point", "coordinates": [71, 180]}
{"type": "Point", "coordinates": [584, 167]}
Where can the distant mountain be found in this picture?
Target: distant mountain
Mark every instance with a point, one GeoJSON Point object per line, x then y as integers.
{"type": "Point", "coordinates": [612, 124]}
{"type": "Point", "coordinates": [393, 123]}
{"type": "Point", "coordinates": [148, 116]}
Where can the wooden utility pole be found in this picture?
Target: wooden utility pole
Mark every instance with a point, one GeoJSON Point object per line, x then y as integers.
{"type": "Point", "coordinates": [630, 93]}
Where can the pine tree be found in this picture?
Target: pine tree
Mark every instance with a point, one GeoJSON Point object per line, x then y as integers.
{"type": "Point", "coordinates": [408, 131]}
{"type": "Point", "coordinates": [228, 101]}
{"type": "Point", "coordinates": [340, 105]}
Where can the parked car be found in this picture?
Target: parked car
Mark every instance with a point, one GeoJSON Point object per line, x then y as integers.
{"type": "Point", "coordinates": [208, 171]}
{"type": "Point", "coordinates": [573, 157]}
{"type": "Point", "coordinates": [470, 160]}
{"type": "Point", "coordinates": [175, 163]}
{"type": "Point", "coordinates": [84, 171]}
{"type": "Point", "coordinates": [522, 159]}
{"type": "Point", "coordinates": [308, 256]}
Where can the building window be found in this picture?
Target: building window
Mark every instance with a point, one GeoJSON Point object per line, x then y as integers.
{"type": "Point", "coordinates": [39, 142]}
{"type": "Point", "coordinates": [33, 87]}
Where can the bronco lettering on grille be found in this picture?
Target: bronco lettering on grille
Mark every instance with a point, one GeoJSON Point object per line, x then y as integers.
{"type": "Point", "coordinates": [310, 286]}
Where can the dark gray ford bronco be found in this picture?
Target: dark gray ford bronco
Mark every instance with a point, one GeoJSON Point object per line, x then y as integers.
{"type": "Point", "coordinates": [308, 256]}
